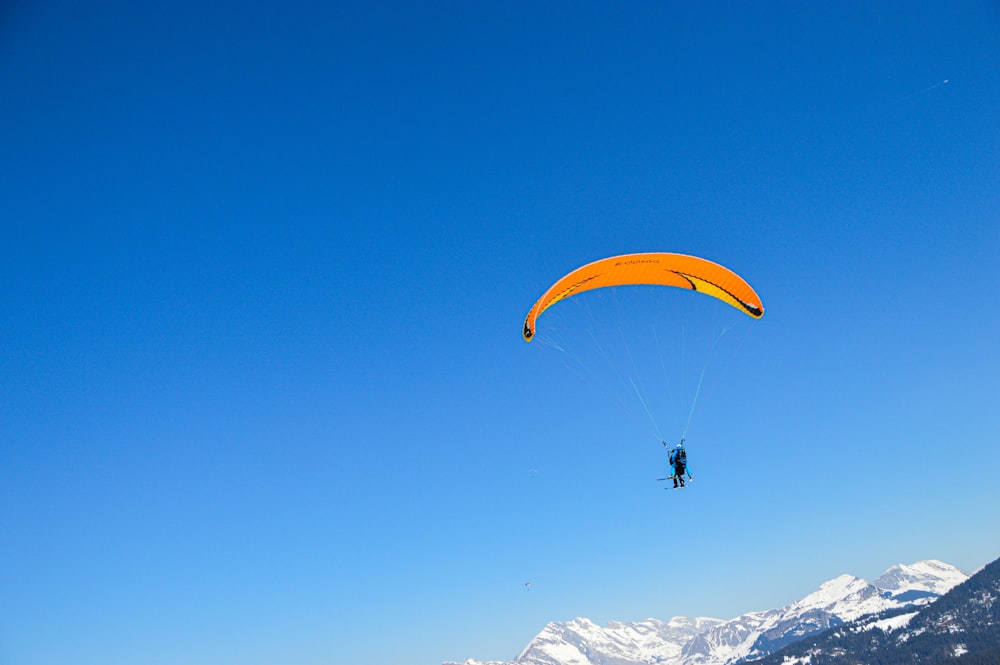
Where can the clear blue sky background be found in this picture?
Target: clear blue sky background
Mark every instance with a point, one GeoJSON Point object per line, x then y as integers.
{"type": "Point", "coordinates": [264, 393]}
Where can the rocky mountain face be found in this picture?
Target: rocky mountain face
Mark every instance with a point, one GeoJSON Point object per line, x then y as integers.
{"type": "Point", "coordinates": [707, 641]}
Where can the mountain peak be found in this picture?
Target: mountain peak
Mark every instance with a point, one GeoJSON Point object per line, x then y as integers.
{"type": "Point", "coordinates": [833, 590]}
{"type": "Point", "coordinates": [963, 625]}
{"type": "Point", "coordinates": [706, 641]}
{"type": "Point", "coordinates": [930, 577]}
{"type": "Point", "coordinates": [845, 594]}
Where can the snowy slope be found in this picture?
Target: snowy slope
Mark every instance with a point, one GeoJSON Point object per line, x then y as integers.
{"type": "Point", "coordinates": [964, 622]}
{"type": "Point", "coordinates": [924, 577]}
{"type": "Point", "coordinates": [582, 642]}
{"type": "Point", "coordinates": [705, 641]}
{"type": "Point", "coordinates": [837, 601]}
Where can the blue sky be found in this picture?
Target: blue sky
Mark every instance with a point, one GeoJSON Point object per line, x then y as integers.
{"type": "Point", "coordinates": [265, 397]}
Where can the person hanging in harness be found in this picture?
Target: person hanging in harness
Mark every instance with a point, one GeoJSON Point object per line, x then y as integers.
{"type": "Point", "coordinates": [678, 460]}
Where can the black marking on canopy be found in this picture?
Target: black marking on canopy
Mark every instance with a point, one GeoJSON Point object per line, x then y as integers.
{"type": "Point", "coordinates": [528, 331]}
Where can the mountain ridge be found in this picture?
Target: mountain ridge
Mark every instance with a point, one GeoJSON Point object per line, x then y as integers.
{"type": "Point", "coordinates": [709, 641]}
{"type": "Point", "coordinates": [962, 627]}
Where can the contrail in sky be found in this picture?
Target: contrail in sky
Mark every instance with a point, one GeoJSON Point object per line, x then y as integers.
{"type": "Point", "coordinates": [924, 91]}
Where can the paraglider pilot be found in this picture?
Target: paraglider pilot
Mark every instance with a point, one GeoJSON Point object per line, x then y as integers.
{"type": "Point", "coordinates": [678, 460]}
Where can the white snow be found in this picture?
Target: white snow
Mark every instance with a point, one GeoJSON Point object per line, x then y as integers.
{"type": "Point", "coordinates": [707, 641]}
{"type": "Point", "coordinates": [931, 576]}
{"type": "Point", "coordinates": [892, 623]}
{"type": "Point", "coordinates": [847, 597]}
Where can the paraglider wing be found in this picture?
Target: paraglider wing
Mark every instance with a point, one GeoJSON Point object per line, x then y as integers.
{"type": "Point", "coordinates": [680, 270]}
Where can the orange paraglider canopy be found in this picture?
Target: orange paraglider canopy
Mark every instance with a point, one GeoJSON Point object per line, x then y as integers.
{"type": "Point", "coordinates": [680, 270]}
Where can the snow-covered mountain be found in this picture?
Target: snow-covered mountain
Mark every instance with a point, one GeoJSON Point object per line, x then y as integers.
{"type": "Point", "coordinates": [582, 642]}
{"type": "Point", "coordinates": [928, 578]}
{"type": "Point", "coordinates": [706, 641]}
{"type": "Point", "coordinates": [837, 601]}
{"type": "Point", "coordinates": [962, 626]}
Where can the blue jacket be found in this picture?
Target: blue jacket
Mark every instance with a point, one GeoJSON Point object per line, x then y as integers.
{"type": "Point", "coordinates": [674, 461]}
